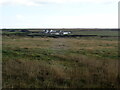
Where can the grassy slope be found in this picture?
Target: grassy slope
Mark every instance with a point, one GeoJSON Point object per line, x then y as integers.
{"type": "Point", "coordinates": [102, 33]}
{"type": "Point", "coordinates": [63, 62]}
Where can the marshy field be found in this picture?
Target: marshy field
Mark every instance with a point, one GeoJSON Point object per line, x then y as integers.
{"type": "Point", "coordinates": [71, 62]}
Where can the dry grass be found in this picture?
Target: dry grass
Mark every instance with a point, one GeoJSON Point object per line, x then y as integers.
{"type": "Point", "coordinates": [69, 63]}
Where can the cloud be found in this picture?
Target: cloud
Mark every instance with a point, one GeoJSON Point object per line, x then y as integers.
{"type": "Point", "coordinates": [20, 17]}
{"type": "Point", "coordinates": [83, 21]}
{"type": "Point", "coordinates": [40, 2]}
{"type": "Point", "coordinates": [19, 2]}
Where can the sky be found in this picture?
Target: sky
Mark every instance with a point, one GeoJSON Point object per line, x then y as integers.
{"type": "Point", "coordinates": [59, 13]}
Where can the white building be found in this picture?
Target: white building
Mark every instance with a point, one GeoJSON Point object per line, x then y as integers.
{"type": "Point", "coordinates": [66, 33]}
{"type": "Point", "coordinates": [58, 32]}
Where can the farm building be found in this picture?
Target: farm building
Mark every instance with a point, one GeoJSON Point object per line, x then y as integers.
{"type": "Point", "coordinates": [56, 32]}
{"type": "Point", "coordinates": [66, 33]}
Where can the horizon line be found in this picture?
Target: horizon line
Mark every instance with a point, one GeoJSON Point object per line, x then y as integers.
{"type": "Point", "coordinates": [59, 28]}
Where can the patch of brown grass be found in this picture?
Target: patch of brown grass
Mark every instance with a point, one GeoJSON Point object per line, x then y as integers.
{"type": "Point", "coordinates": [66, 70]}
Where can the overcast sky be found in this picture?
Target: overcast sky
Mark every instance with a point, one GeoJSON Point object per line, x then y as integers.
{"type": "Point", "coordinates": [59, 13]}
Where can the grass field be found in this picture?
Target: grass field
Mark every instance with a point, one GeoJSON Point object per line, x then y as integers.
{"type": "Point", "coordinates": [60, 62]}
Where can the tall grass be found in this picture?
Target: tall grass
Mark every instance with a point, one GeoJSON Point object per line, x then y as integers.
{"type": "Point", "coordinates": [59, 63]}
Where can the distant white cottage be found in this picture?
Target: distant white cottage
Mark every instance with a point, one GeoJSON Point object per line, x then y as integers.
{"type": "Point", "coordinates": [66, 33]}
{"type": "Point", "coordinates": [56, 32]}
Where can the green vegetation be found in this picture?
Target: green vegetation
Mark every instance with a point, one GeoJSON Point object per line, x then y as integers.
{"type": "Point", "coordinates": [60, 62]}
{"type": "Point", "coordinates": [23, 32]}
{"type": "Point", "coordinates": [101, 33]}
